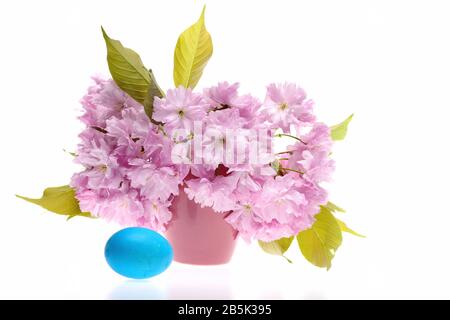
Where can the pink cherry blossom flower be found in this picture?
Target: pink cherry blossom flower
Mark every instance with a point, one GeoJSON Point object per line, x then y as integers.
{"type": "Point", "coordinates": [157, 215]}
{"type": "Point", "coordinates": [179, 109]}
{"type": "Point", "coordinates": [130, 175]}
{"type": "Point", "coordinates": [285, 104]}
{"type": "Point", "coordinates": [248, 107]}
{"type": "Point", "coordinates": [154, 183]}
{"type": "Point", "coordinates": [132, 125]}
{"type": "Point", "coordinates": [222, 95]}
{"type": "Point", "coordinates": [217, 194]}
{"type": "Point", "coordinates": [102, 169]}
{"type": "Point", "coordinates": [125, 209]}
{"type": "Point", "coordinates": [103, 101]}
{"type": "Point", "coordinates": [277, 211]}
{"type": "Point", "coordinates": [313, 157]}
{"type": "Point", "coordinates": [318, 167]}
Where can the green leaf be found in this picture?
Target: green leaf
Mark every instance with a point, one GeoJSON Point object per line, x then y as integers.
{"type": "Point", "coordinates": [277, 247]}
{"type": "Point", "coordinates": [153, 91]}
{"type": "Point", "coordinates": [333, 208]}
{"type": "Point", "coordinates": [73, 154]}
{"type": "Point", "coordinates": [275, 165]}
{"type": "Point", "coordinates": [319, 243]}
{"type": "Point", "coordinates": [129, 72]}
{"type": "Point", "coordinates": [192, 52]}
{"type": "Point", "coordinates": [344, 228]}
{"type": "Point", "coordinates": [339, 131]}
{"type": "Point", "coordinates": [60, 200]}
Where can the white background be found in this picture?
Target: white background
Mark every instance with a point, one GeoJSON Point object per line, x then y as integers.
{"type": "Point", "coordinates": [386, 61]}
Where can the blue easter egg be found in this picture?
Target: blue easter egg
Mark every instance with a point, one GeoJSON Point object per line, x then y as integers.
{"type": "Point", "coordinates": [138, 253]}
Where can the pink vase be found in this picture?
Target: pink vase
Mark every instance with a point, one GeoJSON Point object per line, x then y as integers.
{"type": "Point", "coordinates": [199, 235]}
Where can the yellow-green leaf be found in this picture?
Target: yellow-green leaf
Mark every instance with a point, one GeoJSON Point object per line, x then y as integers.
{"type": "Point", "coordinates": [60, 200]}
{"type": "Point", "coordinates": [319, 243]}
{"type": "Point", "coordinates": [344, 228]}
{"type": "Point", "coordinates": [73, 154]}
{"type": "Point", "coordinates": [192, 52]}
{"type": "Point", "coordinates": [333, 208]}
{"type": "Point", "coordinates": [153, 91]}
{"type": "Point", "coordinates": [129, 72]}
{"type": "Point", "coordinates": [277, 247]}
{"type": "Point", "coordinates": [339, 131]}
{"type": "Point", "coordinates": [275, 165]}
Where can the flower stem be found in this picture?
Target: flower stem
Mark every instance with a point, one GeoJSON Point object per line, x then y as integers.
{"type": "Point", "coordinates": [290, 136]}
{"type": "Point", "coordinates": [221, 107]}
{"type": "Point", "coordinates": [284, 152]}
{"type": "Point", "coordinates": [293, 170]}
{"type": "Point", "coordinates": [99, 129]}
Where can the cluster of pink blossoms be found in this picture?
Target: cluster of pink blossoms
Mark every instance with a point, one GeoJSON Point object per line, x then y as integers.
{"type": "Point", "coordinates": [130, 176]}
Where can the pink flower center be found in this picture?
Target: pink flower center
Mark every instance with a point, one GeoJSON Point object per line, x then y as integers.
{"type": "Point", "coordinates": [283, 106]}
{"type": "Point", "coordinates": [247, 208]}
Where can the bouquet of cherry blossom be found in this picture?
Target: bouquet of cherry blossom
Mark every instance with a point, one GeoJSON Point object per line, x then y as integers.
{"type": "Point", "coordinates": [142, 146]}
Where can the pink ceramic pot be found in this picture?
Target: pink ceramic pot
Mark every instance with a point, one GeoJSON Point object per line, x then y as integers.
{"type": "Point", "coordinates": [199, 235]}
